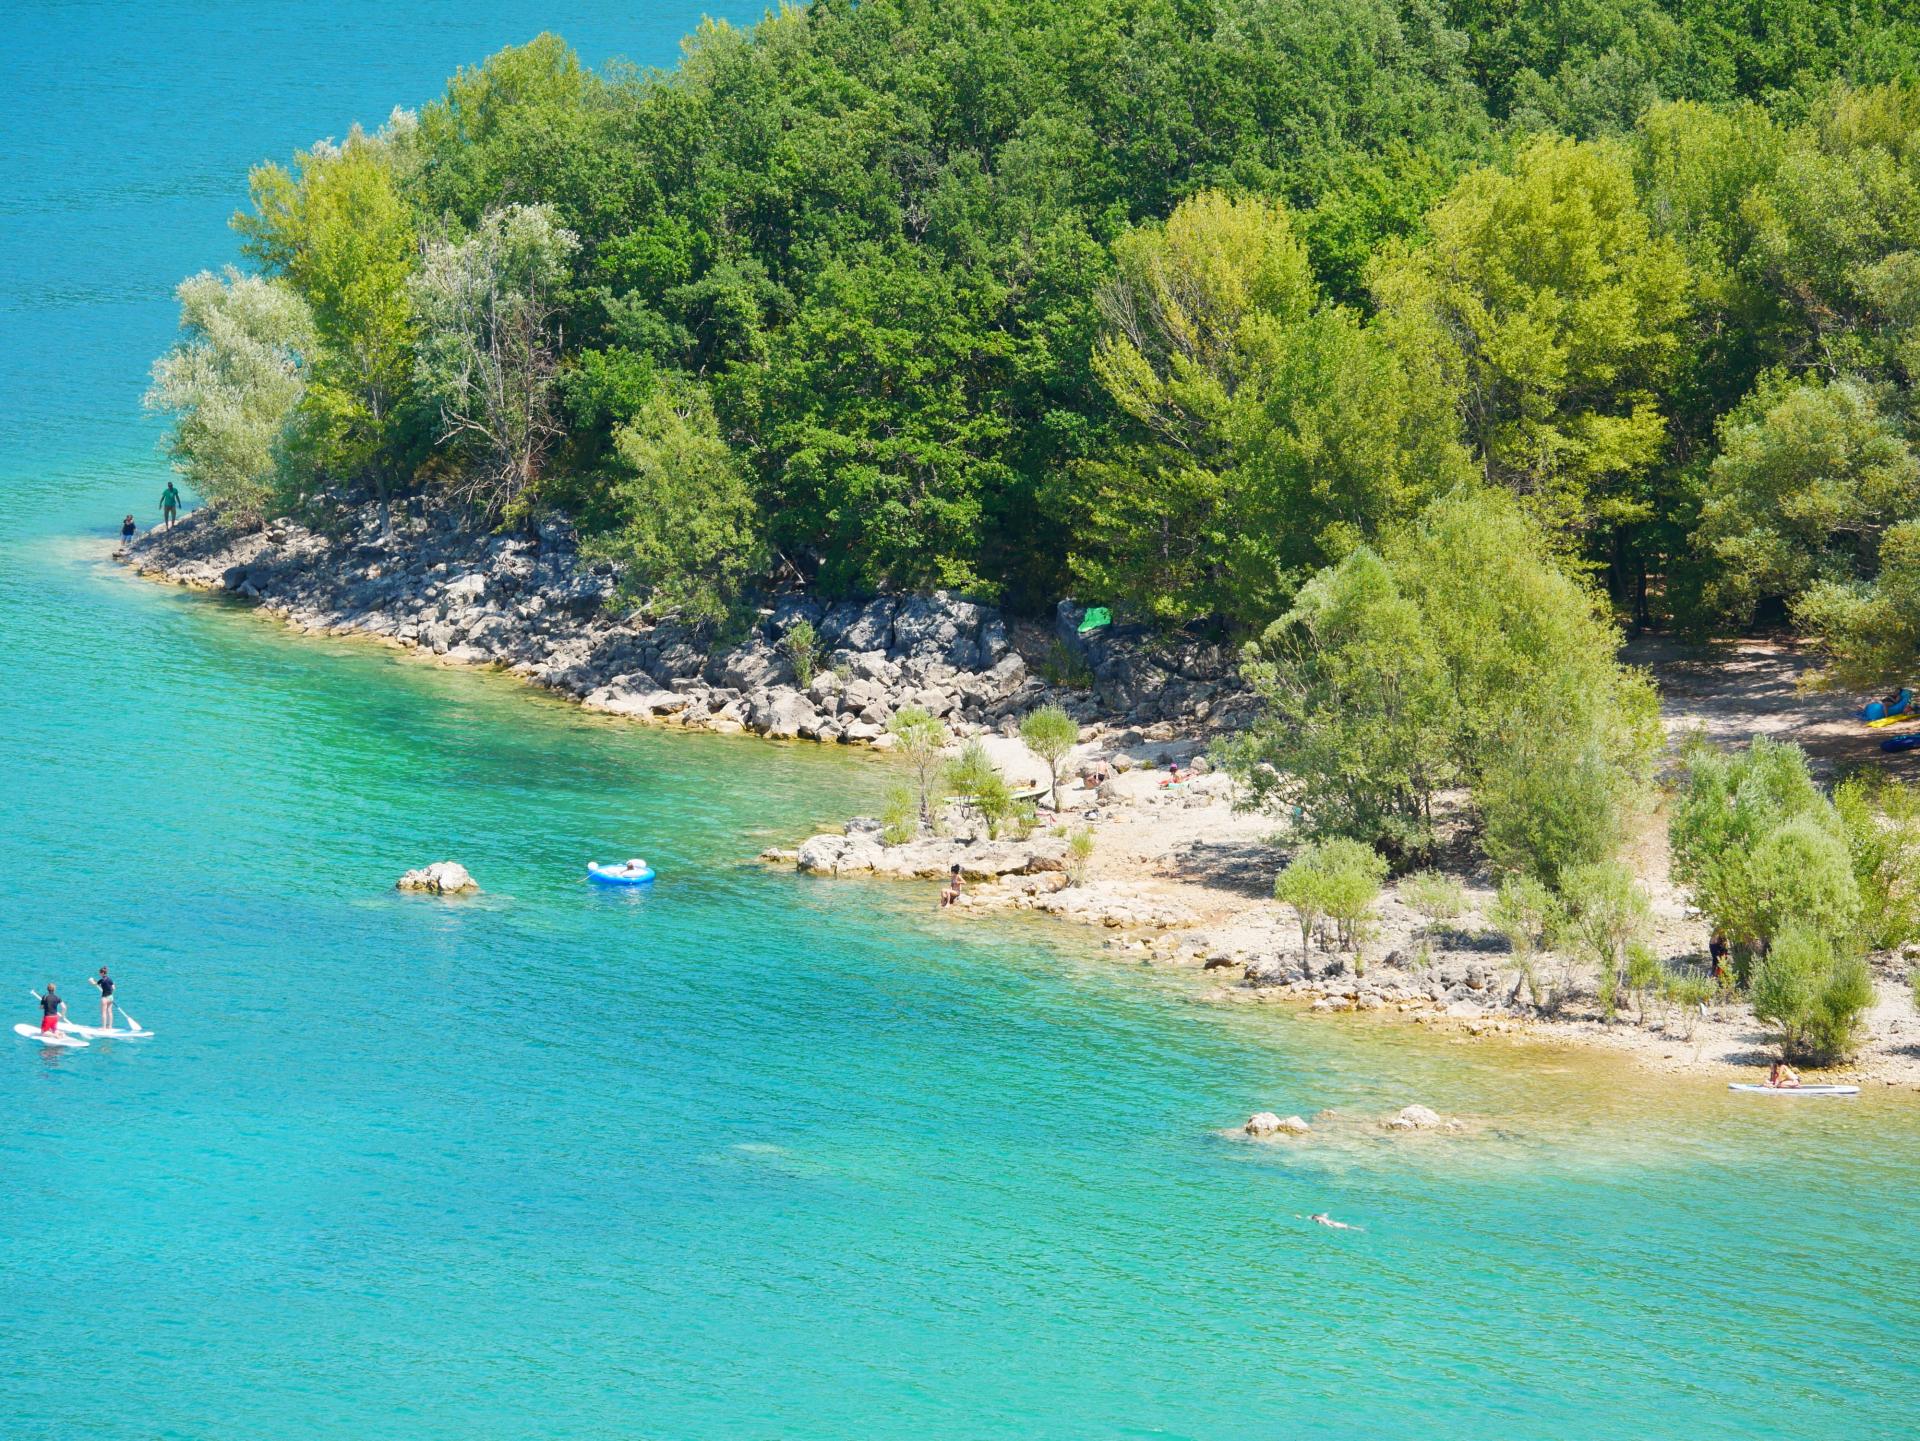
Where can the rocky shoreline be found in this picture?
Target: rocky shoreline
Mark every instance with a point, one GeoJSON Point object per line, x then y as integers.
{"type": "Point", "coordinates": [531, 604]}
{"type": "Point", "coordinates": [1181, 879]}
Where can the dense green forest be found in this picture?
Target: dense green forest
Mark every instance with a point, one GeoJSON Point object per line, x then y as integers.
{"type": "Point", "coordinates": [1171, 304]}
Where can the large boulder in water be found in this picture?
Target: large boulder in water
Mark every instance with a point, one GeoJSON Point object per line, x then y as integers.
{"type": "Point", "coordinates": [1266, 1123]}
{"type": "Point", "coordinates": [442, 878]}
{"type": "Point", "coordinates": [837, 855]}
{"type": "Point", "coordinates": [1416, 1118]}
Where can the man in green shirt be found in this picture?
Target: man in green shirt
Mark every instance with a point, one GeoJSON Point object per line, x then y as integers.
{"type": "Point", "coordinates": [169, 504]}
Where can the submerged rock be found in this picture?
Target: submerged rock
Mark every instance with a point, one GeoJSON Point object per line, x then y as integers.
{"type": "Point", "coordinates": [1266, 1123]}
{"type": "Point", "coordinates": [442, 878]}
{"type": "Point", "coordinates": [1416, 1118]}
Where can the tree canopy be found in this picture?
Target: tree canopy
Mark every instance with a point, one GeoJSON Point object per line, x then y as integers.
{"type": "Point", "coordinates": [1167, 304]}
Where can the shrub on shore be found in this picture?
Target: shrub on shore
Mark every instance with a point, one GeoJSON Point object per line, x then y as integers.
{"type": "Point", "coordinates": [1606, 914]}
{"type": "Point", "coordinates": [802, 646]}
{"type": "Point", "coordinates": [920, 738]}
{"type": "Point", "coordinates": [1335, 880]}
{"type": "Point", "coordinates": [1813, 995]}
{"type": "Point", "coordinates": [1457, 653]}
{"type": "Point", "coordinates": [1050, 733]}
{"type": "Point", "coordinates": [1761, 847]}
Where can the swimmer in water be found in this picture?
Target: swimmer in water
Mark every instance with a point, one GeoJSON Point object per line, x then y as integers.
{"type": "Point", "coordinates": [1322, 1218]}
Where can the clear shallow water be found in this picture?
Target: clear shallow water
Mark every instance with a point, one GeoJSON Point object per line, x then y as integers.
{"type": "Point", "coordinates": [746, 1156]}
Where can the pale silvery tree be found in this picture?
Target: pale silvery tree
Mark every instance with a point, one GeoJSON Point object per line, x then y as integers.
{"type": "Point", "coordinates": [232, 385]}
{"type": "Point", "coordinates": [489, 342]}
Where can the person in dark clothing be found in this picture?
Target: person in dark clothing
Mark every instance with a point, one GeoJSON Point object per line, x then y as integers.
{"type": "Point", "coordinates": [104, 984]}
{"type": "Point", "coordinates": [127, 529]}
{"type": "Point", "coordinates": [1717, 949]}
{"type": "Point", "coordinates": [52, 1008]}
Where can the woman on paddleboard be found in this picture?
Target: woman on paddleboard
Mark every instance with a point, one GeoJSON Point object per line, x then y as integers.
{"type": "Point", "coordinates": [52, 1008]}
{"type": "Point", "coordinates": [104, 983]}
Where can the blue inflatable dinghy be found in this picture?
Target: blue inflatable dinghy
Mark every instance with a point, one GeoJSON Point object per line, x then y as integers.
{"type": "Point", "coordinates": [631, 873]}
{"type": "Point", "coordinates": [1901, 743]}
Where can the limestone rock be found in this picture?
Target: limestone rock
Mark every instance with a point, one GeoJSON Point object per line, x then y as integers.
{"type": "Point", "coordinates": [1416, 1118]}
{"type": "Point", "coordinates": [442, 878]}
{"type": "Point", "coordinates": [1266, 1123]}
{"type": "Point", "coordinates": [837, 855]}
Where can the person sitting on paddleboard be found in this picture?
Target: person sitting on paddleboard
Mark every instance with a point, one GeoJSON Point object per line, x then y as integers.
{"type": "Point", "coordinates": [52, 1010]}
{"type": "Point", "coordinates": [104, 984]}
{"type": "Point", "coordinates": [1783, 1077]}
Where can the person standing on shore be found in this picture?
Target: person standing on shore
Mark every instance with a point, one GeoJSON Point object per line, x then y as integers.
{"type": "Point", "coordinates": [170, 504]}
{"type": "Point", "coordinates": [52, 1010]}
{"type": "Point", "coordinates": [127, 528]}
{"type": "Point", "coordinates": [104, 984]}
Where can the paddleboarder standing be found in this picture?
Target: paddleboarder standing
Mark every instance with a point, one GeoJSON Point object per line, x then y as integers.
{"type": "Point", "coordinates": [52, 1008]}
{"type": "Point", "coordinates": [104, 984]}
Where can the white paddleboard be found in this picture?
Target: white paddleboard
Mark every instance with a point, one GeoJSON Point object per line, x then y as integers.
{"type": "Point", "coordinates": [101, 1033]}
{"type": "Point", "coordinates": [1793, 1090]}
{"type": "Point", "coordinates": [46, 1038]}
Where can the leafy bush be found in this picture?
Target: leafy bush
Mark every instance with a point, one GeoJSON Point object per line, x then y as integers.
{"type": "Point", "coordinates": [1758, 844]}
{"type": "Point", "coordinates": [1336, 880]}
{"type": "Point", "coordinates": [1079, 855]}
{"type": "Point", "coordinates": [920, 738]}
{"type": "Point", "coordinates": [1813, 996]}
{"type": "Point", "coordinates": [1458, 652]}
{"type": "Point", "coordinates": [1437, 897]}
{"type": "Point", "coordinates": [1688, 994]}
{"type": "Point", "coordinates": [1801, 875]}
{"type": "Point", "coordinates": [802, 646]}
{"type": "Point", "coordinates": [1605, 913]}
{"type": "Point", "coordinates": [1881, 821]}
{"type": "Point", "coordinates": [1525, 913]}
{"type": "Point", "coordinates": [899, 817]}
{"type": "Point", "coordinates": [1051, 734]}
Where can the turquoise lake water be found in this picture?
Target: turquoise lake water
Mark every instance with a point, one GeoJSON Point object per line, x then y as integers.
{"type": "Point", "coordinates": [746, 1156]}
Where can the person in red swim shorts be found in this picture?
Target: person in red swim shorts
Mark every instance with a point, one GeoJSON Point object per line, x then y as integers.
{"type": "Point", "coordinates": [52, 1008]}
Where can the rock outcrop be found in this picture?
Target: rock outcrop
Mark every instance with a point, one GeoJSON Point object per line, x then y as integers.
{"type": "Point", "coordinates": [442, 878]}
{"type": "Point", "coordinates": [532, 604]}
{"type": "Point", "coordinates": [1266, 1123]}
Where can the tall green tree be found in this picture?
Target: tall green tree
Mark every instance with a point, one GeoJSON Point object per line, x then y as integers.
{"type": "Point", "coordinates": [685, 529]}
{"type": "Point", "coordinates": [1273, 432]}
{"type": "Point", "coordinates": [489, 343]}
{"type": "Point", "coordinates": [232, 385]}
{"type": "Point", "coordinates": [1558, 311]}
{"type": "Point", "coordinates": [337, 229]}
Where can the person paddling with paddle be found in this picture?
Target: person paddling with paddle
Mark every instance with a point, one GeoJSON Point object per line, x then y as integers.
{"type": "Point", "coordinates": [53, 1011]}
{"type": "Point", "coordinates": [104, 984]}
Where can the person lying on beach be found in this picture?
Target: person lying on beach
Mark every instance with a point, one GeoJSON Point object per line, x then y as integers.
{"type": "Point", "coordinates": [1783, 1077]}
{"type": "Point", "coordinates": [1324, 1219]}
{"type": "Point", "coordinates": [952, 891]}
{"type": "Point", "coordinates": [1175, 775]}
